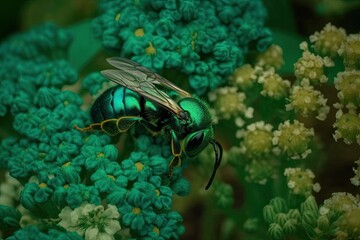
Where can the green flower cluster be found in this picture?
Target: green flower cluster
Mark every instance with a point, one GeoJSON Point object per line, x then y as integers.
{"type": "Point", "coordinates": [69, 173]}
{"type": "Point", "coordinates": [203, 40]}
{"type": "Point", "coordinates": [305, 220]}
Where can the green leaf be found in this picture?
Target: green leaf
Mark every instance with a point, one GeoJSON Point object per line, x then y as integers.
{"type": "Point", "coordinates": [85, 46]}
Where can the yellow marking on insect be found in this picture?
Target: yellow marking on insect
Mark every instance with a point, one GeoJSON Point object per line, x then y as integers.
{"type": "Point", "coordinates": [156, 230]}
{"type": "Point", "coordinates": [111, 177]}
{"type": "Point", "coordinates": [42, 185]}
{"type": "Point", "coordinates": [150, 50]}
{"type": "Point", "coordinates": [139, 32]}
{"type": "Point", "coordinates": [136, 210]}
{"type": "Point", "coordinates": [139, 166]}
{"type": "Point", "coordinates": [117, 17]}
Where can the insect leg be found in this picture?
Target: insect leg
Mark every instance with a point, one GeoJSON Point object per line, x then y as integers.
{"type": "Point", "coordinates": [92, 127]}
{"type": "Point", "coordinates": [176, 152]}
{"type": "Point", "coordinates": [118, 125]}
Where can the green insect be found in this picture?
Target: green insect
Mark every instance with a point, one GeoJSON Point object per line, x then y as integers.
{"type": "Point", "coordinates": [137, 100]}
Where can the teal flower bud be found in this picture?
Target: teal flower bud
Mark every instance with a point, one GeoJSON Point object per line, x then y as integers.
{"type": "Point", "coordinates": [181, 187]}
{"type": "Point", "coordinates": [9, 218]}
{"type": "Point", "coordinates": [188, 10]}
{"type": "Point", "coordinates": [46, 97]}
{"type": "Point", "coordinates": [222, 51]}
{"type": "Point", "coordinates": [276, 231]}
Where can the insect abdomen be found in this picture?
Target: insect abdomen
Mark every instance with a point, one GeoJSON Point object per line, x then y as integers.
{"type": "Point", "coordinates": [120, 101]}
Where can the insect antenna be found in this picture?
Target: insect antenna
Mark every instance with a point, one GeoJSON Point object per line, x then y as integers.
{"type": "Point", "coordinates": [218, 155]}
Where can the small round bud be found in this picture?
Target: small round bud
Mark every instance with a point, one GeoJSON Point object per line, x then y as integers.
{"type": "Point", "coordinates": [273, 84]}
{"type": "Point", "coordinates": [310, 205]}
{"type": "Point", "coordinates": [279, 205]}
{"type": "Point", "coordinates": [356, 179]}
{"type": "Point", "coordinates": [257, 139]}
{"type": "Point", "coordinates": [276, 231]}
{"type": "Point", "coordinates": [300, 181]}
{"type": "Point", "coordinates": [328, 41]}
{"type": "Point", "coordinates": [323, 223]}
{"type": "Point", "coordinates": [350, 51]}
{"type": "Point", "coordinates": [348, 84]}
{"type": "Point", "coordinates": [269, 213]}
{"type": "Point", "coordinates": [228, 102]}
{"type": "Point", "coordinates": [311, 66]}
{"type": "Point", "coordinates": [280, 218]}
{"type": "Point", "coordinates": [244, 77]}
{"type": "Point", "coordinates": [305, 100]}
{"type": "Point", "coordinates": [293, 139]}
{"type": "Point", "coordinates": [347, 126]}
{"type": "Point", "coordinates": [290, 226]}
{"type": "Point", "coordinates": [271, 58]}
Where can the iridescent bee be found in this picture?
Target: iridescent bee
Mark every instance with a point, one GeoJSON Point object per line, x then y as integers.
{"type": "Point", "coordinates": [138, 100]}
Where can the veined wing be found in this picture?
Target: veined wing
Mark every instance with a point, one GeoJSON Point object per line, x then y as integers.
{"type": "Point", "coordinates": [145, 73]}
{"type": "Point", "coordinates": [141, 80]}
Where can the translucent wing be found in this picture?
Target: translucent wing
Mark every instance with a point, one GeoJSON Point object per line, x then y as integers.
{"type": "Point", "coordinates": [141, 80]}
{"type": "Point", "coordinates": [145, 73]}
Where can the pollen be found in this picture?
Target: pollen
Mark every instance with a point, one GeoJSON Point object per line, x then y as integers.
{"type": "Point", "coordinates": [42, 185]}
{"type": "Point", "coordinates": [66, 186]}
{"type": "Point", "coordinates": [139, 32]}
{"type": "Point", "coordinates": [100, 155]}
{"type": "Point", "coordinates": [150, 50]}
{"type": "Point", "coordinates": [139, 166]}
{"type": "Point", "coordinates": [136, 210]}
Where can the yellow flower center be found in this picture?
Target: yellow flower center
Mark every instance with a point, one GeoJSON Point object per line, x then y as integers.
{"type": "Point", "coordinates": [139, 32]}
{"type": "Point", "coordinates": [136, 210]}
{"type": "Point", "coordinates": [150, 50]}
{"type": "Point", "coordinates": [111, 177]}
{"type": "Point", "coordinates": [100, 155]}
{"type": "Point", "coordinates": [156, 230]}
{"type": "Point", "coordinates": [117, 17]}
{"type": "Point", "coordinates": [139, 166]}
{"type": "Point", "coordinates": [66, 186]}
{"type": "Point", "coordinates": [42, 185]}
{"type": "Point", "coordinates": [67, 164]}
{"type": "Point", "coordinates": [157, 192]}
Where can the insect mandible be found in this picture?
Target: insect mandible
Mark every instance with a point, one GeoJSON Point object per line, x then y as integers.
{"type": "Point", "coordinates": [136, 99]}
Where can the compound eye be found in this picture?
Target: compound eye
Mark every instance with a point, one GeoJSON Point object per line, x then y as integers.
{"type": "Point", "coordinates": [194, 142]}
